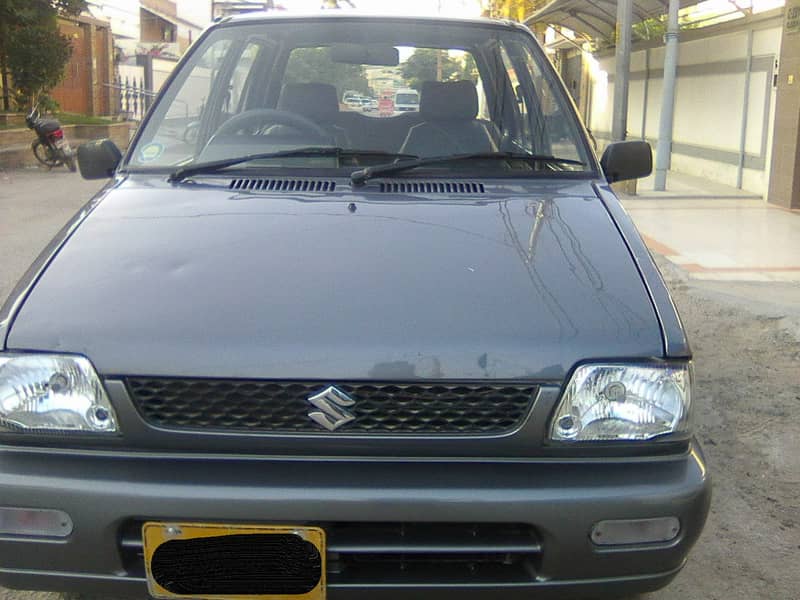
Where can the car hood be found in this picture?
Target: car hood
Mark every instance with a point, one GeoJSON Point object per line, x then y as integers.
{"type": "Point", "coordinates": [196, 280]}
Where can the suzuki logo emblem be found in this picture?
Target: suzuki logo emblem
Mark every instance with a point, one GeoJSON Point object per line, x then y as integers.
{"type": "Point", "coordinates": [332, 404]}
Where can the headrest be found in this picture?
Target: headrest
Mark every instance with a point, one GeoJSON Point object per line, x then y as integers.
{"type": "Point", "coordinates": [456, 100]}
{"type": "Point", "coordinates": [317, 101]}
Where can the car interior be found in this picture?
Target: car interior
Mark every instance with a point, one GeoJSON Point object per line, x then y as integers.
{"type": "Point", "coordinates": [258, 94]}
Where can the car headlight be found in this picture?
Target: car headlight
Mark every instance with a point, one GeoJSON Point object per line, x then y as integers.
{"type": "Point", "coordinates": [623, 402]}
{"type": "Point", "coordinates": [52, 392]}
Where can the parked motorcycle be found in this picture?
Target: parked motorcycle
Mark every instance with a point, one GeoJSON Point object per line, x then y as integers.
{"type": "Point", "coordinates": [51, 148]}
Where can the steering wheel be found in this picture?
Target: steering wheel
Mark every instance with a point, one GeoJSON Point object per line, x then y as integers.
{"type": "Point", "coordinates": [260, 117]}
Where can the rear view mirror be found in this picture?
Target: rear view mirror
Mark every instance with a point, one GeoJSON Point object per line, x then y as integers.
{"type": "Point", "coordinates": [98, 159]}
{"type": "Point", "coordinates": [359, 54]}
{"type": "Point", "coordinates": [627, 160]}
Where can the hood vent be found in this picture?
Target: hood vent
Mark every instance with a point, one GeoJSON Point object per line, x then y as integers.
{"type": "Point", "coordinates": [431, 187]}
{"type": "Point", "coordinates": [282, 185]}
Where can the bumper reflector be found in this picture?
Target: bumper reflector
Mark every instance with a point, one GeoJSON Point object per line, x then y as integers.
{"type": "Point", "coordinates": [35, 522]}
{"type": "Point", "coordinates": [635, 531]}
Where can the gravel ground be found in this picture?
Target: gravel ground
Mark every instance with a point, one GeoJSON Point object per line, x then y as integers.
{"type": "Point", "coordinates": [746, 339]}
{"type": "Point", "coordinates": [746, 343]}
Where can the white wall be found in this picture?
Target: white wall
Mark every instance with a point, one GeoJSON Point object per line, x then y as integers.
{"type": "Point", "coordinates": [123, 15]}
{"type": "Point", "coordinates": [131, 73]}
{"type": "Point", "coordinates": [709, 104]}
{"type": "Point", "coordinates": [196, 11]}
{"type": "Point", "coordinates": [162, 67]}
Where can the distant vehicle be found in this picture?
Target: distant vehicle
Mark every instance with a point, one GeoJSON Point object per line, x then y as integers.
{"type": "Point", "coordinates": [349, 96]}
{"type": "Point", "coordinates": [386, 103]}
{"type": "Point", "coordinates": [354, 101]}
{"type": "Point", "coordinates": [406, 100]}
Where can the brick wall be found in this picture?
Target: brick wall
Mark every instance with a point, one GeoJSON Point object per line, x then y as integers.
{"type": "Point", "coordinates": [83, 89]}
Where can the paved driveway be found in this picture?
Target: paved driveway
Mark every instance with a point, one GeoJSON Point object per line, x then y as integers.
{"type": "Point", "coordinates": [34, 204]}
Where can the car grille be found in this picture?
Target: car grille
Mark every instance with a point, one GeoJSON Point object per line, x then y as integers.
{"type": "Point", "coordinates": [406, 553]}
{"type": "Point", "coordinates": [379, 408]}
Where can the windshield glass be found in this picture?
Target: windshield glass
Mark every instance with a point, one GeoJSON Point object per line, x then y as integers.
{"type": "Point", "coordinates": [425, 89]}
{"type": "Point", "coordinates": [407, 99]}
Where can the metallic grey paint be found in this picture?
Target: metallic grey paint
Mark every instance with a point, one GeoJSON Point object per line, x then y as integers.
{"type": "Point", "coordinates": [562, 498]}
{"type": "Point", "coordinates": [524, 282]}
{"type": "Point", "coordinates": [196, 280]}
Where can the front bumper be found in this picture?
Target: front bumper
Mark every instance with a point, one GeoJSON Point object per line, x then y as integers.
{"type": "Point", "coordinates": [560, 499]}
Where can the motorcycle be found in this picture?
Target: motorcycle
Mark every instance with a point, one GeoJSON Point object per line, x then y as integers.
{"type": "Point", "coordinates": [50, 148]}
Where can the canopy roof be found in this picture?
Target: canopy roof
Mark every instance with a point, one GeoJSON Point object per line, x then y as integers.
{"type": "Point", "coordinates": [597, 18]}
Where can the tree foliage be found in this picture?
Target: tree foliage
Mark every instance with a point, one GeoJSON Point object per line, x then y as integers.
{"type": "Point", "coordinates": [424, 65]}
{"type": "Point", "coordinates": [36, 61]}
{"type": "Point", "coordinates": [314, 64]}
{"type": "Point", "coordinates": [469, 72]}
{"type": "Point", "coordinates": [32, 49]}
{"type": "Point", "coordinates": [517, 10]}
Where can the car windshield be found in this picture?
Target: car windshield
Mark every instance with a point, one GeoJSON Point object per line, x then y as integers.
{"type": "Point", "coordinates": [375, 88]}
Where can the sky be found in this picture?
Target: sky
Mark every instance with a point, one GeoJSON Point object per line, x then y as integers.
{"type": "Point", "coordinates": [199, 10]}
{"type": "Point", "coordinates": [453, 8]}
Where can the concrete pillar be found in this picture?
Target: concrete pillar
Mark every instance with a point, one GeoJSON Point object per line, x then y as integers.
{"type": "Point", "coordinates": [664, 147]}
{"type": "Point", "coordinates": [619, 121]}
{"type": "Point", "coordinates": [784, 180]}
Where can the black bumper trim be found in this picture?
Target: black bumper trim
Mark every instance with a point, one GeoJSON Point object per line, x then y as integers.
{"type": "Point", "coordinates": [129, 587]}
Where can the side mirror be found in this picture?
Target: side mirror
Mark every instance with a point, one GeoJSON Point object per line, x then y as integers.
{"type": "Point", "coordinates": [98, 159]}
{"type": "Point", "coordinates": [627, 160]}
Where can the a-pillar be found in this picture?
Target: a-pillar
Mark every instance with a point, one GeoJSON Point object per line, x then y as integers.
{"type": "Point", "coordinates": [784, 180]}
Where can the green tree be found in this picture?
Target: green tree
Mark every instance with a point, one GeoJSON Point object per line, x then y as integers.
{"type": "Point", "coordinates": [427, 64]}
{"type": "Point", "coordinates": [469, 72]}
{"type": "Point", "coordinates": [32, 49]}
{"type": "Point", "coordinates": [314, 64]}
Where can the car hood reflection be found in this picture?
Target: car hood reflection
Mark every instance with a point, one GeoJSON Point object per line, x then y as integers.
{"type": "Point", "coordinates": [195, 281]}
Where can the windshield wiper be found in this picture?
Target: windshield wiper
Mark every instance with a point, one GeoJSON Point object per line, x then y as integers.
{"type": "Point", "coordinates": [360, 176]}
{"type": "Point", "coordinates": [214, 166]}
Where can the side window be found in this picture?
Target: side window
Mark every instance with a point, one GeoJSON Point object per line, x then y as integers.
{"type": "Point", "coordinates": [547, 124]}
{"type": "Point", "coordinates": [522, 136]}
{"type": "Point", "coordinates": [241, 78]}
{"type": "Point", "coordinates": [182, 109]}
{"type": "Point", "coordinates": [195, 90]}
{"type": "Point", "coordinates": [181, 128]}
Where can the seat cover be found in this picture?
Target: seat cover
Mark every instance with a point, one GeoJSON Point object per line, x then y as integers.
{"type": "Point", "coordinates": [449, 110]}
{"type": "Point", "coordinates": [316, 101]}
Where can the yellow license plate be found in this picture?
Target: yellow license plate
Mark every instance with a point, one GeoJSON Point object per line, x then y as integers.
{"type": "Point", "coordinates": [217, 561]}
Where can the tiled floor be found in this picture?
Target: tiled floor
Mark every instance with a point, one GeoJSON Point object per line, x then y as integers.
{"type": "Point", "coordinates": [716, 233]}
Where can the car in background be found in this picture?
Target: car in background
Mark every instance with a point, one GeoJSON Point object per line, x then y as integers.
{"type": "Point", "coordinates": [369, 104]}
{"type": "Point", "coordinates": [308, 353]}
{"type": "Point", "coordinates": [406, 100]}
{"type": "Point", "coordinates": [350, 96]}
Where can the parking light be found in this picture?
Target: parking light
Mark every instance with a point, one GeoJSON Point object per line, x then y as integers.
{"type": "Point", "coordinates": [622, 532]}
{"type": "Point", "coordinates": [34, 522]}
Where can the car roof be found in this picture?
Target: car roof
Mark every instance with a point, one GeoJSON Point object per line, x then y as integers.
{"type": "Point", "coordinates": [335, 15]}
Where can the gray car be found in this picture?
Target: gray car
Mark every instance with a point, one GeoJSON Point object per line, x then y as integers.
{"type": "Point", "coordinates": [312, 353]}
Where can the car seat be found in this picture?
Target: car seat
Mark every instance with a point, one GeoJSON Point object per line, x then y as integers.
{"type": "Point", "coordinates": [318, 102]}
{"type": "Point", "coordinates": [449, 110]}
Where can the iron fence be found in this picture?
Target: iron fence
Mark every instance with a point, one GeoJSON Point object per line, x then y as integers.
{"type": "Point", "coordinates": [133, 99]}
